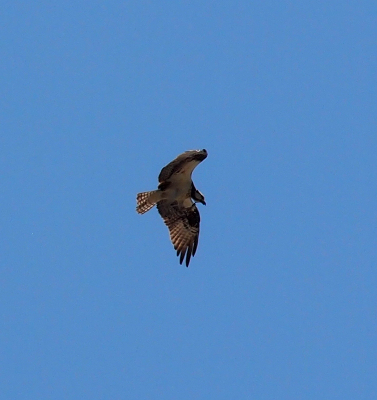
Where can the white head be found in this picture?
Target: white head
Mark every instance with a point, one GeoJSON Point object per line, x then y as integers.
{"type": "Point", "coordinates": [197, 196]}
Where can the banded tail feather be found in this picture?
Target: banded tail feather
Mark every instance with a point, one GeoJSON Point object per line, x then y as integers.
{"type": "Point", "coordinates": [146, 200]}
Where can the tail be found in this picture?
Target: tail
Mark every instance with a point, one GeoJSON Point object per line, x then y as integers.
{"type": "Point", "coordinates": [146, 200]}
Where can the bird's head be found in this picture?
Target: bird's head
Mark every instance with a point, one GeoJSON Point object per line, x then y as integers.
{"type": "Point", "coordinates": [198, 197]}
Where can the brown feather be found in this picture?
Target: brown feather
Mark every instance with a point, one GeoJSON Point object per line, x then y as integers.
{"type": "Point", "coordinates": [183, 224]}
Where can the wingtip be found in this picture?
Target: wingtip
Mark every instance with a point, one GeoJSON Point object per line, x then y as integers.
{"type": "Point", "coordinates": [184, 253]}
{"type": "Point", "coordinates": [182, 256]}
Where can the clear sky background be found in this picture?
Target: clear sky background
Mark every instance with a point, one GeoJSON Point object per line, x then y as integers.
{"type": "Point", "coordinates": [280, 300]}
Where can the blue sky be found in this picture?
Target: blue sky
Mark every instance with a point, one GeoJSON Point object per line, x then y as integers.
{"type": "Point", "coordinates": [280, 300]}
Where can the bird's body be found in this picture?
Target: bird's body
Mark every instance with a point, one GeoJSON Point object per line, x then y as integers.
{"type": "Point", "coordinates": [174, 198]}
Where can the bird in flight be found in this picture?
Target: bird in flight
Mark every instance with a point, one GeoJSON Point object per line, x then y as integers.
{"type": "Point", "coordinates": [175, 198]}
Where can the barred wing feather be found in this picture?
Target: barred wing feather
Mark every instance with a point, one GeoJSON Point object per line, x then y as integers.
{"type": "Point", "coordinates": [183, 224]}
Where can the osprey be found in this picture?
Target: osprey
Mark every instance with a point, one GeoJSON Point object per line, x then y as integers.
{"type": "Point", "coordinates": [175, 198]}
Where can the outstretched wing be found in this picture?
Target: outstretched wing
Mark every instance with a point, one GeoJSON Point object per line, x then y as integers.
{"type": "Point", "coordinates": [183, 224]}
{"type": "Point", "coordinates": [184, 163]}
